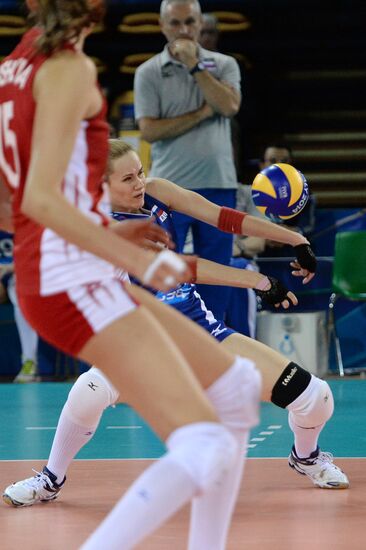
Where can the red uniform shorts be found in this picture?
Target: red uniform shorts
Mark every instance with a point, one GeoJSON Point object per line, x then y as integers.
{"type": "Point", "coordinates": [69, 319]}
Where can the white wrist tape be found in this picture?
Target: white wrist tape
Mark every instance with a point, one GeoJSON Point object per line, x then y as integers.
{"type": "Point", "coordinates": [165, 257]}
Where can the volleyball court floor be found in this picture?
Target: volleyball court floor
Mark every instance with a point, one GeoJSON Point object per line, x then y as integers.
{"type": "Point", "coordinates": [277, 509]}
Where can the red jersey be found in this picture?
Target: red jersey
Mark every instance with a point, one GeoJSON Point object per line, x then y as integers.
{"type": "Point", "coordinates": [44, 262]}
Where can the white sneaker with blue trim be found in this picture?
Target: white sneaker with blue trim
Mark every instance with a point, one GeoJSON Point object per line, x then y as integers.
{"type": "Point", "coordinates": [320, 468]}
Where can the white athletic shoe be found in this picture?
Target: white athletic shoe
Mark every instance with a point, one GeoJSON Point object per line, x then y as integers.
{"type": "Point", "coordinates": [319, 467]}
{"type": "Point", "coordinates": [39, 488]}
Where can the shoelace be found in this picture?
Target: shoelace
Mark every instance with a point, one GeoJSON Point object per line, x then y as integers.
{"type": "Point", "coordinates": [324, 457]}
{"type": "Point", "coordinates": [40, 477]}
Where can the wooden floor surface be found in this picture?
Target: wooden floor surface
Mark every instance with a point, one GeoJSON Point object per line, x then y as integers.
{"type": "Point", "coordinates": [277, 510]}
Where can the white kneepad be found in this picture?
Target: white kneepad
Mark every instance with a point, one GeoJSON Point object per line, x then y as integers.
{"type": "Point", "coordinates": [236, 395]}
{"type": "Point", "coordinates": [318, 407]}
{"type": "Point", "coordinates": [89, 396]}
{"type": "Point", "coordinates": [206, 450]}
{"type": "Point", "coordinates": [112, 391]}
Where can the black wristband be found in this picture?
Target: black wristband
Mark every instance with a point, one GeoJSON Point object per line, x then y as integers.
{"type": "Point", "coordinates": [306, 257]}
{"type": "Point", "coordinates": [197, 68]}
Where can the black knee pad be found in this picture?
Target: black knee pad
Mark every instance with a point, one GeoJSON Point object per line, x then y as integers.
{"type": "Point", "coordinates": [292, 382]}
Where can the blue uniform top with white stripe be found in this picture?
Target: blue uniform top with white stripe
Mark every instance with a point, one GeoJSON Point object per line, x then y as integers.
{"type": "Point", "coordinates": [184, 297]}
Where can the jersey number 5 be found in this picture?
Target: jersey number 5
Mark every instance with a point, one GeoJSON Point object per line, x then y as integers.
{"type": "Point", "coordinates": [8, 141]}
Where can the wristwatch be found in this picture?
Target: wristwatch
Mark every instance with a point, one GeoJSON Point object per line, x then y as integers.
{"type": "Point", "coordinates": [197, 68]}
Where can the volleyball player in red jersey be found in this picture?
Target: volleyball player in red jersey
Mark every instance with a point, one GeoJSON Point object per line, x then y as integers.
{"type": "Point", "coordinates": [53, 150]}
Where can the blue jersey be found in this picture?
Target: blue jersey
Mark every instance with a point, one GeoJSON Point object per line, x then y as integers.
{"type": "Point", "coordinates": [184, 297]}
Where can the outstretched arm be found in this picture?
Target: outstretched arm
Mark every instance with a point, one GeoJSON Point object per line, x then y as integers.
{"type": "Point", "coordinates": [232, 221]}
{"type": "Point", "coordinates": [269, 289]}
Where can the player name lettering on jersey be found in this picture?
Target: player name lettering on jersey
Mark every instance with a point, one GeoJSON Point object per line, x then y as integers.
{"type": "Point", "coordinates": [15, 71]}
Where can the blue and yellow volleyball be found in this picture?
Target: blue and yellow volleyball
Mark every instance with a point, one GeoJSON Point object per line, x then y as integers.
{"type": "Point", "coordinates": [280, 191]}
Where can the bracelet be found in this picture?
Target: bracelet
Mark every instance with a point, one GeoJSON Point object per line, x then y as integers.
{"type": "Point", "coordinates": [230, 220]}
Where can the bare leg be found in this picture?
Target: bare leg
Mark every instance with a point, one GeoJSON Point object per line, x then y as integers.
{"type": "Point", "coordinates": [208, 359]}
{"type": "Point", "coordinates": [269, 362]}
{"type": "Point", "coordinates": [138, 356]}
{"type": "Point", "coordinates": [310, 406]}
{"type": "Point", "coordinates": [159, 385]}
{"type": "Point", "coordinates": [232, 395]}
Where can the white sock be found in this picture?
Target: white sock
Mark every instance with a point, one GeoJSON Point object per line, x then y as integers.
{"type": "Point", "coordinates": [80, 416]}
{"type": "Point", "coordinates": [68, 441]}
{"type": "Point", "coordinates": [308, 415]}
{"type": "Point", "coordinates": [137, 514]}
{"type": "Point", "coordinates": [196, 460]}
{"type": "Point", "coordinates": [235, 397]}
{"type": "Point", "coordinates": [211, 513]}
{"type": "Point", "coordinates": [306, 439]}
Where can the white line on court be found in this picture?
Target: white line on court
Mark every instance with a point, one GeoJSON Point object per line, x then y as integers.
{"type": "Point", "coordinates": [139, 427]}
{"type": "Point", "coordinates": [149, 458]}
{"type": "Point", "coordinates": [123, 427]}
{"type": "Point", "coordinates": [267, 432]}
{"type": "Point", "coordinates": [40, 427]}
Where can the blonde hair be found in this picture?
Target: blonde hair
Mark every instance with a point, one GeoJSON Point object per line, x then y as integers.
{"type": "Point", "coordinates": [117, 149]}
{"type": "Point", "coordinates": [63, 20]}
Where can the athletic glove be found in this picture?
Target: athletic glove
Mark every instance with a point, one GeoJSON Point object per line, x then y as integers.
{"type": "Point", "coordinates": [275, 295]}
{"type": "Point", "coordinates": [305, 257]}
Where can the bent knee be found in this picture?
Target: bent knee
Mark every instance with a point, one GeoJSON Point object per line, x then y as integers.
{"type": "Point", "coordinates": [206, 450]}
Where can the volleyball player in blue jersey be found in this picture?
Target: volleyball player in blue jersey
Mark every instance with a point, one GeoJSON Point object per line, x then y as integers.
{"type": "Point", "coordinates": [308, 399]}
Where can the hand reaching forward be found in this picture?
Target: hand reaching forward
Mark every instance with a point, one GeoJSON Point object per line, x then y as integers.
{"type": "Point", "coordinates": [164, 271]}
{"type": "Point", "coordinates": [305, 266]}
{"type": "Point", "coordinates": [144, 233]}
{"type": "Point", "coordinates": [274, 293]}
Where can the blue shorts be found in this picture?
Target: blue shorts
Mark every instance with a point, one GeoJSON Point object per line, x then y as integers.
{"type": "Point", "coordinates": [187, 300]}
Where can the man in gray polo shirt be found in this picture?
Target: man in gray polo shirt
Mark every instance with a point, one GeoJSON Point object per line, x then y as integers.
{"type": "Point", "coordinates": [184, 98]}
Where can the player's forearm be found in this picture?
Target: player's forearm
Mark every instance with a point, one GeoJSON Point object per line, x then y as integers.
{"type": "Point", "coordinates": [212, 273]}
{"type": "Point", "coordinates": [223, 99]}
{"type": "Point", "coordinates": [166, 128]}
{"type": "Point", "coordinates": [251, 226]}
{"type": "Point", "coordinates": [256, 227]}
